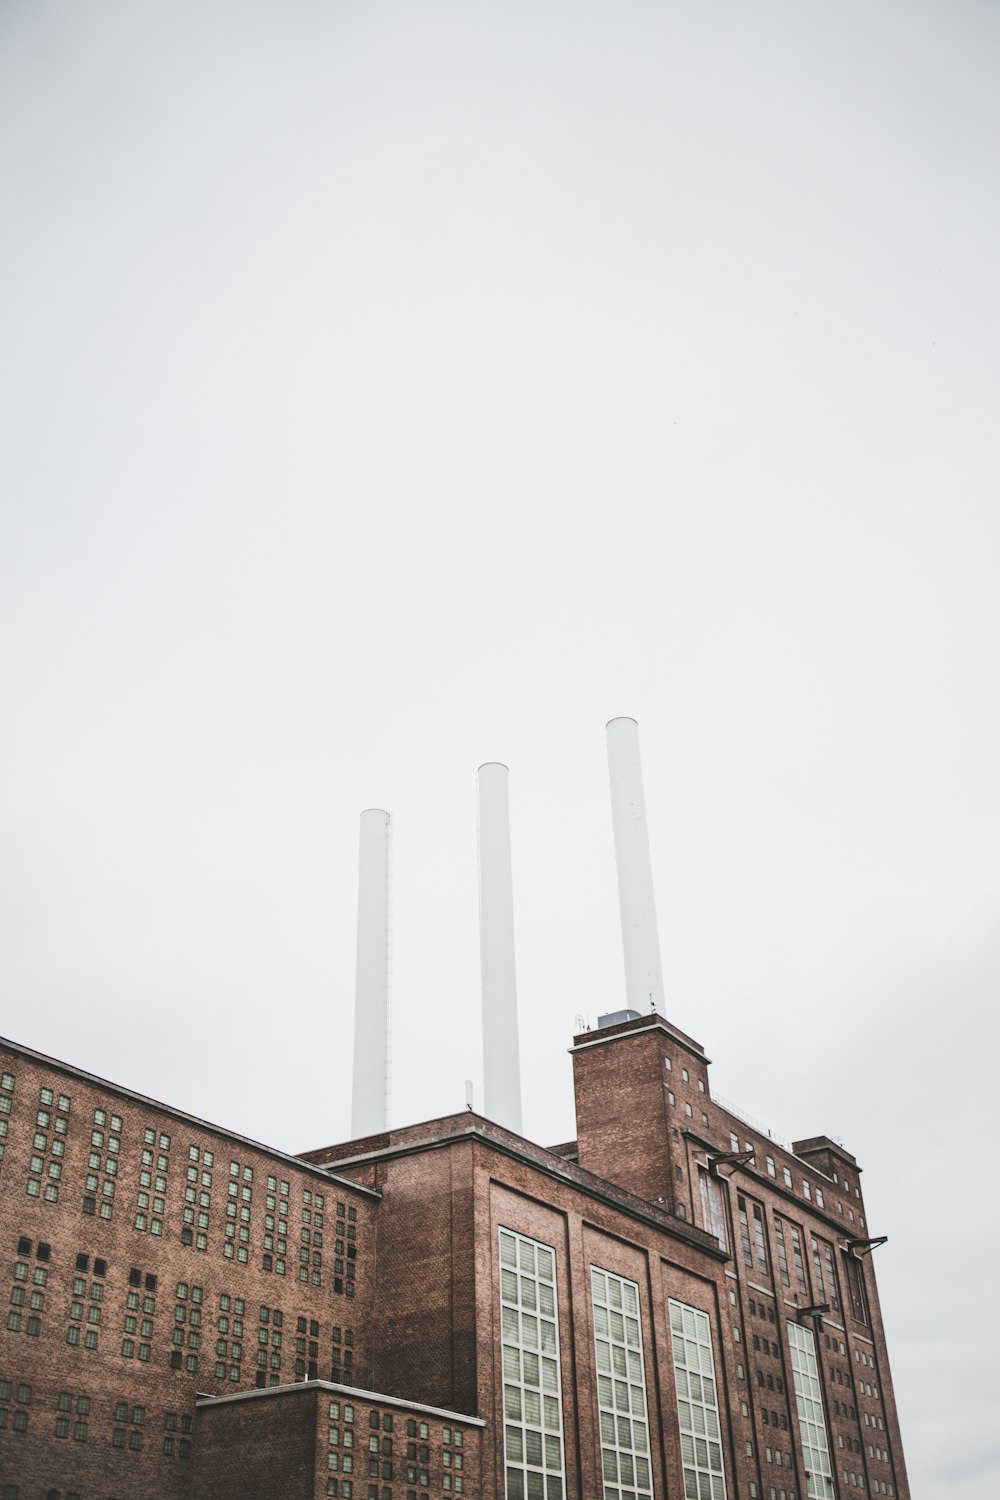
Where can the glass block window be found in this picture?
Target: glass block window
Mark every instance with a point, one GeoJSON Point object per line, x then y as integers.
{"type": "Point", "coordinates": [532, 1392]}
{"type": "Point", "coordinates": [697, 1403]}
{"type": "Point", "coordinates": [809, 1403]}
{"type": "Point", "coordinates": [621, 1387]}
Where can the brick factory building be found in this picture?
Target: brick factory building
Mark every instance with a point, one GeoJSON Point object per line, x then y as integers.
{"type": "Point", "coordinates": [672, 1305]}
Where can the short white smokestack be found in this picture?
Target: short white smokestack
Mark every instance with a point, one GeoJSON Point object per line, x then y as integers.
{"type": "Point", "coordinates": [501, 1053]}
{"type": "Point", "coordinates": [643, 975]}
{"type": "Point", "coordinates": [370, 1096]}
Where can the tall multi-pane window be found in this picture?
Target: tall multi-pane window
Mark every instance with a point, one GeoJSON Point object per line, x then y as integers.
{"type": "Point", "coordinates": [712, 1212]}
{"type": "Point", "coordinates": [745, 1233]}
{"type": "Point", "coordinates": [532, 1393]}
{"type": "Point", "coordinates": [856, 1283]}
{"type": "Point", "coordinates": [831, 1276]}
{"type": "Point", "coordinates": [819, 1280]}
{"type": "Point", "coordinates": [799, 1262]}
{"type": "Point", "coordinates": [779, 1239]}
{"type": "Point", "coordinates": [697, 1403]}
{"type": "Point", "coordinates": [760, 1244]}
{"type": "Point", "coordinates": [621, 1387]}
{"type": "Point", "coordinates": [809, 1404]}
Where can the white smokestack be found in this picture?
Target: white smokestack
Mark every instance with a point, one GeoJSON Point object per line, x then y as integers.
{"type": "Point", "coordinates": [643, 976]}
{"type": "Point", "coordinates": [501, 1053]}
{"type": "Point", "coordinates": [370, 1096]}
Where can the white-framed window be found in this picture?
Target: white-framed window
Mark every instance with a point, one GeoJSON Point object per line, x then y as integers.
{"type": "Point", "coordinates": [697, 1403]}
{"type": "Point", "coordinates": [809, 1403]}
{"type": "Point", "coordinates": [621, 1387]}
{"type": "Point", "coordinates": [532, 1390]}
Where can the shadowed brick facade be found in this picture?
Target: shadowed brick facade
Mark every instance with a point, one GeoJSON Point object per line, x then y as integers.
{"type": "Point", "coordinates": [297, 1440]}
{"type": "Point", "coordinates": [673, 1305]}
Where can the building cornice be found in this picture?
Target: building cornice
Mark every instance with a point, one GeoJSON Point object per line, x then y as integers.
{"type": "Point", "coordinates": [555, 1167]}
{"type": "Point", "coordinates": [378, 1398]}
{"type": "Point", "coordinates": [813, 1143]}
{"type": "Point", "coordinates": [603, 1035]}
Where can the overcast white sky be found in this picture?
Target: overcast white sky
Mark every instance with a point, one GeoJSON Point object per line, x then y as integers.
{"type": "Point", "coordinates": [390, 387]}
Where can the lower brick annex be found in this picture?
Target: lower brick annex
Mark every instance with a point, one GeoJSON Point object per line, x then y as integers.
{"type": "Point", "coordinates": [669, 1306]}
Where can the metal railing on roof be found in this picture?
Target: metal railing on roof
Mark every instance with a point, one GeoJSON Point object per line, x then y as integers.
{"type": "Point", "coordinates": [761, 1129]}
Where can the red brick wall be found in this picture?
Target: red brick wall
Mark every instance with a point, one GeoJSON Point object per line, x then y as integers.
{"type": "Point", "coordinates": [277, 1447]}
{"type": "Point", "coordinates": [36, 1459]}
{"type": "Point", "coordinates": [424, 1323]}
{"type": "Point", "coordinates": [625, 1113]}
{"type": "Point", "coordinates": [260, 1449]}
{"type": "Point", "coordinates": [621, 1103]}
{"type": "Point", "coordinates": [582, 1233]}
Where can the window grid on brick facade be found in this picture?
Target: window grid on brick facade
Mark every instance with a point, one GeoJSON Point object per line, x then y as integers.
{"type": "Point", "coordinates": [102, 1164]}
{"type": "Point", "coordinates": [197, 1197]}
{"type": "Point", "coordinates": [48, 1146]}
{"type": "Point", "coordinates": [6, 1101]}
{"type": "Point", "coordinates": [150, 1199]}
{"type": "Point", "coordinates": [812, 1422]}
{"type": "Point", "coordinates": [697, 1403]}
{"type": "Point", "coordinates": [532, 1390]}
{"type": "Point", "coordinates": [621, 1387]}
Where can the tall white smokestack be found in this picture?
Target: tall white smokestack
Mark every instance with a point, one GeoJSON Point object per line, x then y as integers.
{"type": "Point", "coordinates": [643, 976]}
{"type": "Point", "coordinates": [501, 1053]}
{"type": "Point", "coordinates": [370, 1096]}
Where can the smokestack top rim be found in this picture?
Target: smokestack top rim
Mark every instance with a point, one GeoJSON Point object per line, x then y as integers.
{"type": "Point", "coordinates": [622, 719]}
{"type": "Point", "coordinates": [487, 763]}
{"type": "Point", "coordinates": [383, 810]}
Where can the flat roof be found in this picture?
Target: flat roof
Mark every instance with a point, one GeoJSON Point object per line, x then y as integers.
{"type": "Point", "coordinates": [378, 1398]}
{"type": "Point", "coordinates": [653, 1021]}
